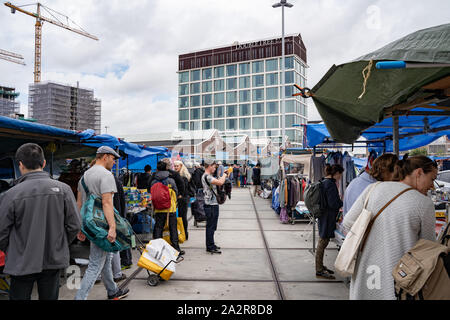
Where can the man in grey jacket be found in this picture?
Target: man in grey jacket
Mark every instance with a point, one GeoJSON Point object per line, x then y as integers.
{"type": "Point", "coordinates": [38, 220]}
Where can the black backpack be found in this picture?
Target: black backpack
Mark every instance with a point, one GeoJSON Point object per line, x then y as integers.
{"type": "Point", "coordinates": [220, 195]}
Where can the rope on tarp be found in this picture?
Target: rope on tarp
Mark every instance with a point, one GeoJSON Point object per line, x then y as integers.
{"type": "Point", "coordinates": [366, 75]}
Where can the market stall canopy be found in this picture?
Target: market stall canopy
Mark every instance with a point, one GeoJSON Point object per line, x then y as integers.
{"type": "Point", "coordinates": [415, 132]}
{"type": "Point", "coordinates": [354, 96]}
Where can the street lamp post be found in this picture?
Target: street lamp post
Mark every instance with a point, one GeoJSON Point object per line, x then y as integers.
{"type": "Point", "coordinates": [282, 4]}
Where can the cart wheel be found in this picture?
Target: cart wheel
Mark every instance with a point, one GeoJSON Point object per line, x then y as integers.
{"type": "Point", "coordinates": [153, 280]}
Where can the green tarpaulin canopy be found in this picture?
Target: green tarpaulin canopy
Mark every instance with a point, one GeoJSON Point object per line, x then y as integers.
{"type": "Point", "coordinates": [350, 100]}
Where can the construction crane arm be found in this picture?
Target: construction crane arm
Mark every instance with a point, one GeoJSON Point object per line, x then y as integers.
{"type": "Point", "coordinates": [59, 24]}
{"type": "Point", "coordinates": [12, 60]}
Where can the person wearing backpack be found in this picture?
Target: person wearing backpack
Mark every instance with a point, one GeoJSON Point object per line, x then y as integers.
{"type": "Point", "coordinates": [100, 181]}
{"type": "Point", "coordinates": [410, 217]}
{"type": "Point", "coordinates": [327, 220]}
{"type": "Point", "coordinates": [165, 204]}
{"type": "Point", "coordinates": [211, 204]}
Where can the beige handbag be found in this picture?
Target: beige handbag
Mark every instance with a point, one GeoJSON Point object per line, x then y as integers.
{"type": "Point", "coordinates": [356, 237]}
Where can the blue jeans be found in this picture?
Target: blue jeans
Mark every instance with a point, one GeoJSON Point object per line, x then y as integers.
{"type": "Point", "coordinates": [99, 262]}
{"type": "Point", "coordinates": [212, 216]}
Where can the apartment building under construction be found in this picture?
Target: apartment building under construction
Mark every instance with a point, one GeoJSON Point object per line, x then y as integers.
{"type": "Point", "coordinates": [64, 106]}
{"type": "Point", "coordinates": [8, 105]}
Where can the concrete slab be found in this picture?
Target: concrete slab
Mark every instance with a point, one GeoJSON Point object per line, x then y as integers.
{"type": "Point", "coordinates": [225, 239]}
{"type": "Point", "coordinates": [236, 214]}
{"type": "Point", "coordinates": [291, 239]}
{"type": "Point", "coordinates": [238, 224]}
{"type": "Point", "coordinates": [275, 225]}
{"type": "Point", "coordinates": [232, 264]}
{"type": "Point", "coordinates": [315, 291]}
{"type": "Point", "coordinates": [299, 265]}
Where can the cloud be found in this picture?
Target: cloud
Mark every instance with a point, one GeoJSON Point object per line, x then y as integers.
{"type": "Point", "coordinates": [132, 68]}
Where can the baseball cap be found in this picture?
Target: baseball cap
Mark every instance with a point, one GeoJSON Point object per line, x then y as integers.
{"type": "Point", "coordinates": [108, 150]}
{"type": "Point", "coordinates": [209, 161]}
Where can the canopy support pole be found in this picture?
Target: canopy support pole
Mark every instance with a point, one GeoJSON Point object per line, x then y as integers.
{"type": "Point", "coordinates": [314, 219]}
{"type": "Point", "coordinates": [395, 131]}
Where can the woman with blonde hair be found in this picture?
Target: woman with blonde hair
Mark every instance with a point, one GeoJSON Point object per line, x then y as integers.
{"type": "Point", "coordinates": [183, 201]}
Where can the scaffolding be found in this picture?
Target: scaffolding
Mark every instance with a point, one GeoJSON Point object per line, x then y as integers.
{"type": "Point", "coordinates": [64, 106]}
{"type": "Point", "coordinates": [8, 105]}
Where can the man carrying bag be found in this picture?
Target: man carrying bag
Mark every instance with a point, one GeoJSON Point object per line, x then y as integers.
{"type": "Point", "coordinates": [100, 182]}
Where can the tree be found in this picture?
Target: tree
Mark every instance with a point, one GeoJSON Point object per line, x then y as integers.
{"type": "Point", "coordinates": [419, 151]}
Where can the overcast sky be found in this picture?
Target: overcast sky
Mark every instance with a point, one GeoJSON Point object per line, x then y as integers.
{"type": "Point", "coordinates": [132, 69]}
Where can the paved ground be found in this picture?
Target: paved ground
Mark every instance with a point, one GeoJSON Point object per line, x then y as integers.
{"type": "Point", "coordinates": [261, 259]}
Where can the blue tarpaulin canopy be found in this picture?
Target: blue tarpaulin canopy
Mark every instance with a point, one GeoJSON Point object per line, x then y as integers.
{"type": "Point", "coordinates": [15, 132]}
{"type": "Point", "coordinates": [414, 131]}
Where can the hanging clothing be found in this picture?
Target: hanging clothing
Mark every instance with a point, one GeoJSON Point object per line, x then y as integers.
{"type": "Point", "coordinates": [317, 168]}
{"type": "Point", "coordinates": [327, 221]}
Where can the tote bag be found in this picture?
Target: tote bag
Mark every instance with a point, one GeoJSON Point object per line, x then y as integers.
{"type": "Point", "coordinates": [356, 237]}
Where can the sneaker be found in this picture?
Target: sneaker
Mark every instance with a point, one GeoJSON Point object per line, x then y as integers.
{"type": "Point", "coordinates": [182, 252]}
{"type": "Point", "coordinates": [98, 281]}
{"type": "Point", "coordinates": [215, 250]}
{"type": "Point", "coordinates": [328, 270]}
{"type": "Point", "coordinates": [217, 247]}
{"type": "Point", "coordinates": [324, 275]}
{"type": "Point", "coordinates": [122, 277]}
{"type": "Point", "coordinates": [122, 293]}
{"type": "Point", "coordinates": [125, 267]}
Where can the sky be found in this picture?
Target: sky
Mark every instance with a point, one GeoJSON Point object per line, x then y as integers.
{"type": "Point", "coordinates": [133, 67]}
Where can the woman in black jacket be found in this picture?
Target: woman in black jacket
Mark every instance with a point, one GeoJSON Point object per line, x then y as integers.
{"type": "Point", "coordinates": [184, 196]}
{"type": "Point", "coordinates": [327, 221]}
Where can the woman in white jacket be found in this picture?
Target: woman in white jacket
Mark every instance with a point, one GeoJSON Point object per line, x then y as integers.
{"type": "Point", "coordinates": [406, 220]}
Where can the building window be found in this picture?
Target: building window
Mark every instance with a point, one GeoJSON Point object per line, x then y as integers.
{"type": "Point", "coordinates": [183, 77]}
{"type": "Point", "coordinates": [258, 94]}
{"type": "Point", "coordinates": [183, 114]}
{"type": "Point", "coordinates": [258, 123]}
{"type": "Point", "coordinates": [232, 84]}
{"type": "Point", "coordinates": [258, 80]}
{"type": "Point", "coordinates": [218, 112]}
{"type": "Point", "coordinates": [272, 107]}
{"type": "Point", "coordinates": [195, 87]}
{"type": "Point", "coordinates": [206, 99]}
{"type": "Point", "coordinates": [244, 123]}
{"type": "Point", "coordinates": [272, 122]}
{"type": "Point", "coordinates": [271, 79]}
{"type": "Point", "coordinates": [258, 109]}
{"type": "Point", "coordinates": [271, 65]}
{"type": "Point", "coordinates": [195, 75]}
{"type": "Point", "coordinates": [244, 110]}
{"type": "Point", "coordinates": [183, 126]}
{"type": "Point", "coordinates": [207, 74]}
{"type": "Point", "coordinates": [289, 77]}
{"type": "Point", "coordinates": [290, 106]}
{"type": "Point", "coordinates": [206, 86]}
{"type": "Point", "coordinates": [195, 101]}
{"type": "Point", "coordinates": [290, 120]}
{"type": "Point", "coordinates": [232, 97]}
{"type": "Point", "coordinates": [183, 89]}
{"type": "Point", "coordinates": [195, 125]}
{"type": "Point", "coordinates": [257, 66]}
{"type": "Point", "coordinates": [231, 70]}
{"type": "Point", "coordinates": [244, 82]}
{"type": "Point", "coordinates": [195, 114]}
{"type": "Point", "coordinates": [244, 96]}
{"type": "Point", "coordinates": [231, 124]}
{"type": "Point", "coordinates": [289, 91]}
{"type": "Point", "coordinates": [288, 62]}
{"type": "Point", "coordinates": [219, 125]}
{"type": "Point", "coordinates": [219, 98]}
{"type": "Point", "coordinates": [291, 135]}
{"type": "Point", "coordinates": [183, 102]}
{"type": "Point", "coordinates": [207, 113]}
{"type": "Point", "coordinates": [219, 85]}
{"type": "Point", "coordinates": [272, 133]}
{"type": "Point", "coordinates": [232, 111]}
{"type": "Point", "coordinates": [244, 68]}
{"type": "Point", "coordinates": [272, 93]}
{"type": "Point", "coordinates": [219, 72]}
{"type": "Point", "coordinates": [206, 125]}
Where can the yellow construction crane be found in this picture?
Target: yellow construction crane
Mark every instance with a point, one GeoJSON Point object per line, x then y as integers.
{"type": "Point", "coordinates": [38, 31]}
{"type": "Point", "coordinates": [11, 57]}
